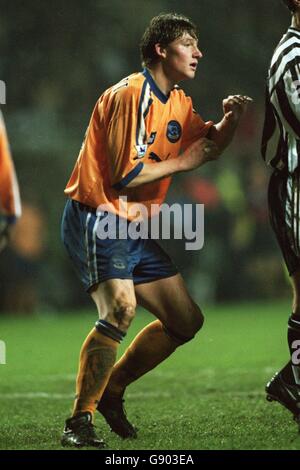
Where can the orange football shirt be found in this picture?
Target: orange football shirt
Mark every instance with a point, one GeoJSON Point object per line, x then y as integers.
{"type": "Point", "coordinates": [10, 204]}
{"type": "Point", "coordinates": [132, 123]}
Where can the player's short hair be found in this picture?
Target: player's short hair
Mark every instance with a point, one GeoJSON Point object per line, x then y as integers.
{"type": "Point", "coordinates": [290, 4]}
{"type": "Point", "coordinates": [163, 29]}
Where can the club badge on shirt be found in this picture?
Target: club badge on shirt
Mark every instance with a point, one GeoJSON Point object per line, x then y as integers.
{"type": "Point", "coordinates": [174, 131]}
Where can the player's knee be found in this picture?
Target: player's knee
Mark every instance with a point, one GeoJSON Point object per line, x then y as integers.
{"type": "Point", "coordinates": [199, 320]}
{"type": "Point", "coordinates": [123, 313]}
{"type": "Point", "coordinates": [189, 329]}
{"type": "Point", "coordinates": [196, 321]}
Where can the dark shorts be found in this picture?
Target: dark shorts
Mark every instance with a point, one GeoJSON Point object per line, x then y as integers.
{"type": "Point", "coordinates": [97, 260]}
{"type": "Point", "coordinates": [284, 207]}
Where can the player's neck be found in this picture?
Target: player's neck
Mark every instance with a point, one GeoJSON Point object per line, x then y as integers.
{"type": "Point", "coordinates": [296, 20]}
{"type": "Point", "coordinates": [161, 80]}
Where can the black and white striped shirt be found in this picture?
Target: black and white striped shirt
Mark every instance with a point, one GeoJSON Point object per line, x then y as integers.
{"type": "Point", "coordinates": [281, 134]}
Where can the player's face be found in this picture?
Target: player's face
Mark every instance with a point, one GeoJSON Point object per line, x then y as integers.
{"type": "Point", "coordinates": [181, 58]}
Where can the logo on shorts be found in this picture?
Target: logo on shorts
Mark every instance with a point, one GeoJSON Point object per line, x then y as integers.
{"type": "Point", "coordinates": [118, 262]}
{"type": "Point", "coordinates": [174, 131]}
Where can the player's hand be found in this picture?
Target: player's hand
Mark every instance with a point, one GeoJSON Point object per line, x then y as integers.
{"type": "Point", "coordinates": [235, 106]}
{"type": "Point", "coordinates": [200, 152]}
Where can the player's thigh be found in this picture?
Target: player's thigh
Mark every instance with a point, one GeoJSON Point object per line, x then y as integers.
{"type": "Point", "coordinates": [169, 300]}
{"type": "Point", "coordinates": [115, 300]}
{"type": "Point", "coordinates": [283, 191]}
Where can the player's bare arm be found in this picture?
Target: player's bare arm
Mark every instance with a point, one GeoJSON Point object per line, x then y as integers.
{"type": "Point", "coordinates": [203, 150]}
{"type": "Point", "coordinates": [234, 107]}
{"type": "Point", "coordinates": [196, 155]}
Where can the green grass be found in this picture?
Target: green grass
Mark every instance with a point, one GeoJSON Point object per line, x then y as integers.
{"type": "Point", "coordinates": [208, 395]}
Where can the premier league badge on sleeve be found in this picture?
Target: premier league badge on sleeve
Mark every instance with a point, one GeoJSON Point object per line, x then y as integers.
{"type": "Point", "coordinates": [174, 131]}
{"type": "Point", "coordinates": [141, 150]}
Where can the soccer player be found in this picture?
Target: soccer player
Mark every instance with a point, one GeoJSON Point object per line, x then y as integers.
{"type": "Point", "coordinates": [10, 205]}
{"type": "Point", "coordinates": [281, 149]}
{"type": "Point", "coordinates": [142, 131]}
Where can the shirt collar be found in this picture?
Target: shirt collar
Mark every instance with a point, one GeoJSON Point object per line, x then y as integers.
{"type": "Point", "coordinates": [160, 95]}
{"type": "Point", "coordinates": [294, 30]}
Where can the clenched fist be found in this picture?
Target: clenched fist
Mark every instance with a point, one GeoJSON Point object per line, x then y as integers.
{"type": "Point", "coordinates": [235, 106]}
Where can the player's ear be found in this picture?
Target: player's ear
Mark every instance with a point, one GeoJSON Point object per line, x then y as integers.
{"type": "Point", "coordinates": [160, 51]}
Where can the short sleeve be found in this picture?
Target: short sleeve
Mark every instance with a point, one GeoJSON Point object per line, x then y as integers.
{"type": "Point", "coordinates": [194, 126]}
{"type": "Point", "coordinates": [124, 150]}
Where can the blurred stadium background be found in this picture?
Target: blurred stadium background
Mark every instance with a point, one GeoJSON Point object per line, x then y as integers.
{"type": "Point", "coordinates": [57, 57]}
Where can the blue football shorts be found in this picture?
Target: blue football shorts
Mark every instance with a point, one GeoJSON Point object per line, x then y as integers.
{"type": "Point", "coordinates": [97, 260]}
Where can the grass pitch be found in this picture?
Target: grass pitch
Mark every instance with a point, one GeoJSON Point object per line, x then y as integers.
{"type": "Point", "coordinates": [208, 395]}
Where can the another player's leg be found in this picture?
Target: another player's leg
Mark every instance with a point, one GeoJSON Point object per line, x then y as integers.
{"type": "Point", "coordinates": [179, 319]}
{"type": "Point", "coordinates": [284, 387]}
{"type": "Point", "coordinates": [115, 300]}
